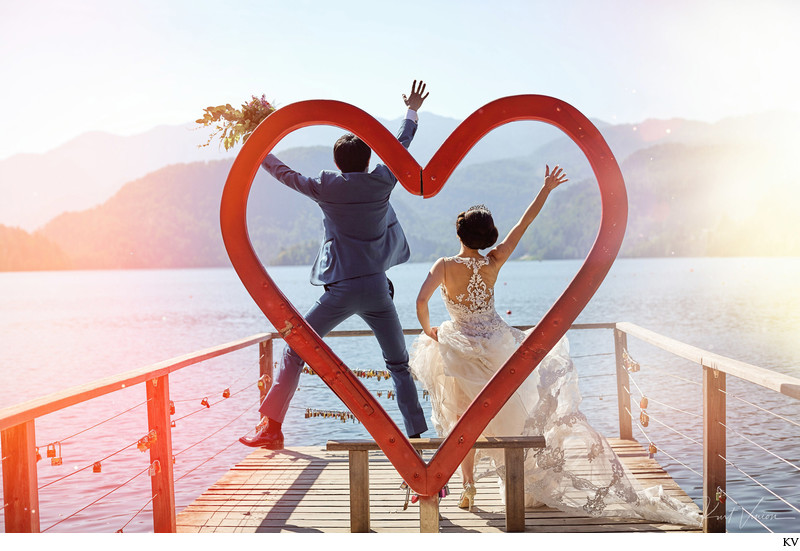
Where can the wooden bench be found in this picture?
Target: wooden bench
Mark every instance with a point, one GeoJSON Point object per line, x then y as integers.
{"type": "Point", "coordinates": [513, 446]}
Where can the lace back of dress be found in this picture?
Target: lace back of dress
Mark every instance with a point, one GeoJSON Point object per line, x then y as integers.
{"type": "Point", "coordinates": [478, 296]}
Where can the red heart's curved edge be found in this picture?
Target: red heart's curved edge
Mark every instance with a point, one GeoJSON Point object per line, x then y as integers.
{"type": "Point", "coordinates": [424, 479]}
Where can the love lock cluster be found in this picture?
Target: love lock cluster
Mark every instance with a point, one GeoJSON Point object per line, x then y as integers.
{"type": "Point", "coordinates": [147, 441]}
{"type": "Point", "coordinates": [360, 373]}
{"type": "Point", "coordinates": [629, 363]}
{"type": "Point", "coordinates": [343, 416]}
{"type": "Point", "coordinates": [53, 452]}
{"type": "Point", "coordinates": [644, 419]}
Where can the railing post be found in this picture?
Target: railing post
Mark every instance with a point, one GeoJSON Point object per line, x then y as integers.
{"type": "Point", "coordinates": [429, 514]}
{"type": "Point", "coordinates": [714, 450]}
{"type": "Point", "coordinates": [162, 480]}
{"type": "Point", "coordinates": [515, 489]}
{"type": "Point", "coordinates": [265, 375]}
{"type": "Point", "coordinates": [623, 386]}
{"type": "Point", "coordinates": [359, 490]}
{"type": "Point", "coordinates": [20, 480]}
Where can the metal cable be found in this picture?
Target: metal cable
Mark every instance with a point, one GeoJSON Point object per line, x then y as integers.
{"type": "Point", "coordinates": [95, 425]}
{"type": "Point", "coordinates": [674, 430]}
{"type": "Point", "coordinates": [642, 395]}
{"type": "Point", "coordinates": [597, 375]}
{"type": "Point", "coordinates": [215, 403]}
{"type": "Point", "coordinates": [214, 394]}
{"type": "Point", "coordinates": [667, 374]}
{"type": "Point", "coordinates": [759, 446]}
{"type": "Point", "coordinates": [98, 499]}
{"type": "Point", "coordinates": [667, 454]}
{"type": "Point", "coordinates": [216, 431]}
{"type": "Point", "coordinates": [87, 466]}
{"type": "Point", "coordinates": [676, 409]}
{"type": "Point", "coordinates": [726, 460]}
{"type": "Point", "coordinates": [727, 495]}
{"type": "Point", "coordinates": [762, 409]}
{"type": "Point", "coordinates": [591, 355]}
{"type": "Point", "coordinates": [206, 461]}
{"type": "Point", "coordinates": [149, 501]}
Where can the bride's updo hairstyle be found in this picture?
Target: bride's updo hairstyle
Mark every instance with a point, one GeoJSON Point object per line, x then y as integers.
{"type": "Point", "coordinates": [475, 228]}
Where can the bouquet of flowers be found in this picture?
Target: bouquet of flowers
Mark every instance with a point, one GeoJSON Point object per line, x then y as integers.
{"type": "Point", "coordinates": [235, 124]}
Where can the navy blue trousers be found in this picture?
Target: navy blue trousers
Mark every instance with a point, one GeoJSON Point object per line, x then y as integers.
{"type": "Point", "coordinates": [367, 297]}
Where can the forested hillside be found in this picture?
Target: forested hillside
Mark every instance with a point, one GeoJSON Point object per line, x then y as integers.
{"type": "Point", "coordinates": [729, 193]}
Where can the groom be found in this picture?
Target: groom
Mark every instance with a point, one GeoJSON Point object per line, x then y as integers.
{"type": "Point", "coordinates": [362, 239]}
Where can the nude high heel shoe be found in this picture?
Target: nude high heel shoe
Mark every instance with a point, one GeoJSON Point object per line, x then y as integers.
{"type": "Point", "coordinates": [467, 498]}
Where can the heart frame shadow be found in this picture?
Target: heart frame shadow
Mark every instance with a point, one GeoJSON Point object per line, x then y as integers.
{"type": "Point", "coordinates": [425, 479]}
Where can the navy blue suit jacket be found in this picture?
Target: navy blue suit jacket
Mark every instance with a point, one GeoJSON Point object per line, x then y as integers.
{"type": "Point", "coordinates": [362, 235]}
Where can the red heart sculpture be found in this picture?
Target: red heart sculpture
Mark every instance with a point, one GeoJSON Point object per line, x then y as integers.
{"type": "Point", "coordinates": [424, 479]}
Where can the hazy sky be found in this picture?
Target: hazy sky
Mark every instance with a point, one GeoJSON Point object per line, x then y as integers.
{"type": "Point", "coordinates": [125, 67]}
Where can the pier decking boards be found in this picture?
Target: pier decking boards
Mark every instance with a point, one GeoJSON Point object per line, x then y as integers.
{"type": "Point", "coordinates": [305, 489]}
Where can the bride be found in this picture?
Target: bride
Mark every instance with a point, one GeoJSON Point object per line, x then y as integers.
{"type": "Point", "coordinates": [577, 471]}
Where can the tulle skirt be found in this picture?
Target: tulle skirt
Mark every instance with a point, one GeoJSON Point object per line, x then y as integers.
{"type": "Point", "coordinates": [577, 471]}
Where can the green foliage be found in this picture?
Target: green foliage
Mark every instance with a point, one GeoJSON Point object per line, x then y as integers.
{"type": "Point", "coordinates": [235, 124]}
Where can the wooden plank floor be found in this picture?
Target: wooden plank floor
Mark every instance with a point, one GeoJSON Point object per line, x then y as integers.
{"type": "Point", "coordinates": [306, 490]}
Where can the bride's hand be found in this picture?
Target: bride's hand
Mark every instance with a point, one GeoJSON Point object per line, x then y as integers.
{"type": "Point", "coordinates": [433, 333]}
{"type": "Point", "coordinates": [558, 177]}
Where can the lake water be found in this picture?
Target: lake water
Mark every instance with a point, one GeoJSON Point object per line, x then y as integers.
{"type": "Point", "coordinates": [62, 329]}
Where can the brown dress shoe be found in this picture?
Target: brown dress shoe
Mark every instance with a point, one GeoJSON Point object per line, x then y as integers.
{"type": "Point", "coordinates": [266, 438]}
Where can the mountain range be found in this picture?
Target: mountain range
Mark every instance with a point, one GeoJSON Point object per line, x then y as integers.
{"type": "Point", "coordinates": [152, 200]}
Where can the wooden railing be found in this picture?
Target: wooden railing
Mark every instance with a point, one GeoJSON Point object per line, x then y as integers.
{"type": "Point", "coordinates": [715, 368]}
{"type": "Point", "coordinates": [17, 423]}
{"type": "Point", "coordinates": [18, 443]}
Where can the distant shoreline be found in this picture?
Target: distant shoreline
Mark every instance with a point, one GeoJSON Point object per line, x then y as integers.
{"type": "Point", "coordinates": [420, 262]}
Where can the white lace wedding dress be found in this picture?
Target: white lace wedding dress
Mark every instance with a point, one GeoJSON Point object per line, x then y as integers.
{"type": "Point", "coordinates": [577, 471]}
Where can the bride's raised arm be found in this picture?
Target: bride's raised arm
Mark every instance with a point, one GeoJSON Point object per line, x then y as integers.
{"type": "Point", "coordinates": [435, 279]}
{"type": "Point", "coordinates": [503, 251]}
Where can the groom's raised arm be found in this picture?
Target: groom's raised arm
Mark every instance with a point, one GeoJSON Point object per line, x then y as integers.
{"type": "Point", "coordinates": [409, 125]}
{"type": "Point", "coordinates": [309, 187]}
{"type": "Point", "coordinates": [407, 129]}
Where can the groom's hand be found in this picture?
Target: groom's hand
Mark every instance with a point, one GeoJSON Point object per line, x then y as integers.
{"type": "Point", "coordinates": [414, 101]}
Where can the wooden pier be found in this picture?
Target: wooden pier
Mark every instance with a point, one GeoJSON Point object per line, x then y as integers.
{"type": "Point", "coordinates": [306, 489]}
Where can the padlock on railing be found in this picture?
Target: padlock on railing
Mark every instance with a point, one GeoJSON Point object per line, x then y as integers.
{"type": "Point", "coordinates": [629, 363]}
{"type": "Point", "coordinates": [155, 468]}
{"type": "Point", "coordinates": [204, 402]}
{"type": "Point", "coordinates": [226, 393]}
{"type": "Point", "coordinates": [146, 442]}
{"type": "Point", "coordinates": [644, 419]}
{"type": "Point", "coordinates": [96, 468]}
{"type": "Point", "coordinates": [55, 456]}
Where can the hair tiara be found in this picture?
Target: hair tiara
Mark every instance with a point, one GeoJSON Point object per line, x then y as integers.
{"type": "Point", "coordinates": [480, 207]}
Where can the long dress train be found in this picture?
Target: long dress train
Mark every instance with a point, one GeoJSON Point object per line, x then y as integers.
{"type": "Point", "coordinates": [577, 471]}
